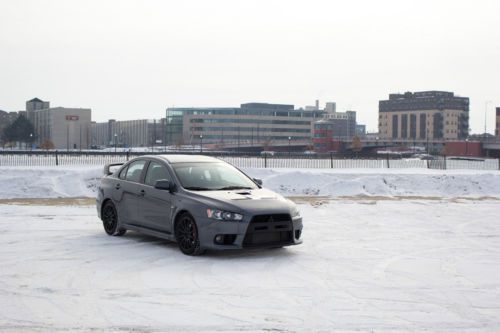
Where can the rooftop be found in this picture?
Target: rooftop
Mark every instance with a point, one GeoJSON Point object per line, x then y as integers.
{"type": "Point", "coordinates": [36, 99]}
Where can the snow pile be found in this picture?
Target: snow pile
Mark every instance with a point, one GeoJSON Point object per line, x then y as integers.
{"type": "Point", "coordinates": [376, 182]}
{"type": "Point", "coordinates": [49, 182]}
{"type": "Point", "coordinates": [55, 182]}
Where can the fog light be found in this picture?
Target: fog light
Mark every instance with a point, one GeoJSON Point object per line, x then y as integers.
{"type": "Point", "coordinates": [227, 239]}
{"type": "Point", "coordinates": [298, 233]}
{"type": "Point", "coordinates": [219, 239]}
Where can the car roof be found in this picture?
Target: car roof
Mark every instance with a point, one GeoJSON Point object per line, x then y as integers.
{"type": "Point", "coordinates": [177, 158]}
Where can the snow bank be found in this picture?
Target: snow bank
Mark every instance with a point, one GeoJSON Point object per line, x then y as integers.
{"type": "Point", "coordinates": [376, 182]}
{"type": "Point", "coordinates": [49, 182]}
{"type": "Point", "coordinates": [55, 182]}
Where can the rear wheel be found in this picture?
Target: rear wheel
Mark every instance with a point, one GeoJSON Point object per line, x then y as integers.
{"type": "Point", "coordinates": [110, 220]}
{"type": "Point", "coordinates": [186, 234]}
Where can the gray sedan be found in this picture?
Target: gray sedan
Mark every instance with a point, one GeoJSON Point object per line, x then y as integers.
{"type": "Point", "coordinates": [197, 201]}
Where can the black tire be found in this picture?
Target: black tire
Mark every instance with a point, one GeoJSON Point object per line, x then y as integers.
{"type": "Point", "coordinates": [109, 218]}
{"type": "Point", "coordinates": [186, 234]}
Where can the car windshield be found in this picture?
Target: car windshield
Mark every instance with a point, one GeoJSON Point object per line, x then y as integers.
{"type": "Point", "coordinates": [211, 177]}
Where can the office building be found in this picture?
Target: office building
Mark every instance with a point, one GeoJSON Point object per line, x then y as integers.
{"type": "Point", "coordinates": [65, 128]}
{"type": "Point", "coordinates": [331, 107]}
{"type": "Point", "coordinates": [128, 133]}
{"type": "Point", "coordinates": [33, 105]}
{"type": "Point", "coordinates": [343, 124]}
{"type": "Point", "coordinates": [361, 131]}
{"type": "Point", "coordinates": [334, 128]}
{"type": "Point", "coordinates": [426, 115]}
{"type": "Point", "coordinates": [250, 124]}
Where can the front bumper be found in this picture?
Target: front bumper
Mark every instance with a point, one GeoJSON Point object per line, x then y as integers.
{"type": "Point", "coordinates": [252, 233]}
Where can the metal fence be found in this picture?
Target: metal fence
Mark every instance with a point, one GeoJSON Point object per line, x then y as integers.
{"type": "Point", "coordinates": [54, 158]}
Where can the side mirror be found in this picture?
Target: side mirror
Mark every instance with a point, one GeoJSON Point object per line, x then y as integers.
{"type": "Point", "coordinates": [164, 184]}
{"type": "Point", "coordinates": [258, 181]}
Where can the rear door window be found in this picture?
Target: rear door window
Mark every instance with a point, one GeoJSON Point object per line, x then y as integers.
{"type": "Point", "coordinates": [134, 171]}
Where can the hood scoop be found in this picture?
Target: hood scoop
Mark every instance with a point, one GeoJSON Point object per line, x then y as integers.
{"type": "Point", "coordinates": [244, 193]}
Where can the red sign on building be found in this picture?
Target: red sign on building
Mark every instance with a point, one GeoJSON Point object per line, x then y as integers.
{"type": "Point", "coordinates": [72, 118]}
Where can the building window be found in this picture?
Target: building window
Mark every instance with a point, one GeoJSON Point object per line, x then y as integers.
{"type": "Point", "coordinates": [423, 127]}
{"type": "Point", "coordinates": [395, 126]}
{"type": "Point", "coordinates": [404, 126]}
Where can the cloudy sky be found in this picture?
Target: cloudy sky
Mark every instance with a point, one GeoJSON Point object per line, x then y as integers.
{"type": "Point", "coordinates": [132, 59]}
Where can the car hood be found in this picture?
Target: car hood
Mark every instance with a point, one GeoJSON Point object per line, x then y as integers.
{"type": "Point", "coordinates": [257, 201]}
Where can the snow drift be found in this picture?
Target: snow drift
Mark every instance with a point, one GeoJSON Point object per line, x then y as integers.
{"type": "Point", "coordinates": [57, 182]}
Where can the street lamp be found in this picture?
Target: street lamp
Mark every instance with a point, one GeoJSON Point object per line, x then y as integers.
{"type": "Point", "coordinates": [116, 135]}
{"type": "Point", "coordinates": [289, 150]}
{"type": "Point", "coordinates": [466, 146]}
{"type": "Point", "coordinates": [485, 118]}
{"type": "Point", "coordinates": [201, 143]}
{"type": "Point", "coordinates": [427, 136]}
{"type": "Point", "coordinates": [31, 141]}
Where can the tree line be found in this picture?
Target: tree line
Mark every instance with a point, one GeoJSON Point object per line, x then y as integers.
{"type": "Point", "coordinates": [21, 131]}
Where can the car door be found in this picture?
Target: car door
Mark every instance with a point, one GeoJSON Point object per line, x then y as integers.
{"type": "Point", "coordinates": [154, 207]}
{"type": "Point", "coordinates": [129, 189]}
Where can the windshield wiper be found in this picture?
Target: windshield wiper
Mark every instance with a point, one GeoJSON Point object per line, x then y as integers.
{"type": "Point", "coordinates": [197, 188]}
{"type": "Point", "coordinates": [234, 188]}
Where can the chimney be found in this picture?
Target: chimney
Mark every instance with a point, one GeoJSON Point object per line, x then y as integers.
{"type": "Point", "coordinates": [317, 104]}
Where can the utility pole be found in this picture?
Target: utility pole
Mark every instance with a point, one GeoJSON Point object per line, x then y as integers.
{"type": "Point", "coordinates": [154, 135]}
{"type": "Point", "coordinates": [67, 136]}
{"type": "Point", "coordinates": [258, 134]}
{"type": "Point", "coordinates": [165, 135]}
{"type": "Point", "coordinates": [485, 118]}
{"type": "Point", "coordinates": [238, 138]}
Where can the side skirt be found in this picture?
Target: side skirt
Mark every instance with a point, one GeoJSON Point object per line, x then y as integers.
{"type": "Point", "coordinates": [160, 234]}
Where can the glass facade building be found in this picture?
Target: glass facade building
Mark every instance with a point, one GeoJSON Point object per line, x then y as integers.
{"type": "Point", "coordinates": [251, 123]}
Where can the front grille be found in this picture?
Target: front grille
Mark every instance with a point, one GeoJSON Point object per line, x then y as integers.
{"type": "Point", "coordinates": [269, 230]}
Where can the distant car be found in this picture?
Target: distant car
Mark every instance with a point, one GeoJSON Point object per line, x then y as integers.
{"type": "Point", "coordinates": [423, 157]}
{"type": "Point", "coordinates": [267, 152]}
{"type": "Point", "coordinates": [199, 202]}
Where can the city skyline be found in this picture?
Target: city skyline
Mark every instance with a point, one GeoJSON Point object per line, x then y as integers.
{"type": "Point", "coordinates": [124, 59]}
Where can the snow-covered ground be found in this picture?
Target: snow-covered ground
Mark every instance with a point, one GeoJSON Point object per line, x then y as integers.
{"type": "Point", "coordinates": [68, 181]}
{"type": "Point", "coordinates": [365, 266]}
{"type": "Point", "coordinates": [368, 263]}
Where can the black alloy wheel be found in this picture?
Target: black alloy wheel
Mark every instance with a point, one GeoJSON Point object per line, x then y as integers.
{"type": "Point", "coordinates": [110, 220]}
{"type": "Point", "coordinates": [186, 234]}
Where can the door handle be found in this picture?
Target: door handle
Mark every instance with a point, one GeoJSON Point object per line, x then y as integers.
{"type": "Point", "coordinates": [141, 193]}
{"type": "Point", "coordinates": [117, 186]}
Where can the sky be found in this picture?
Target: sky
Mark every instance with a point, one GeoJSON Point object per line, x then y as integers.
{"type": "Point", "coordinates": [133, 59]}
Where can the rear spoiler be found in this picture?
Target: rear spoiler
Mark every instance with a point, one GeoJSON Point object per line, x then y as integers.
{"type": "Point", "coordinates": [107, 172]}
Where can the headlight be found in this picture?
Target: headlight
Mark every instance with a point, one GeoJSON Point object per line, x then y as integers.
{"type": "Point", "coordinates": [295, 212]}
{"type": "Point", "coordinates": [221, 215]}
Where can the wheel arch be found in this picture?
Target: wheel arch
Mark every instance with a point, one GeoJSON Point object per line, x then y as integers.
{"type": "Point", "coordinates": [104, 202]}
{"type": "Point", "coordinates": [178, 215]}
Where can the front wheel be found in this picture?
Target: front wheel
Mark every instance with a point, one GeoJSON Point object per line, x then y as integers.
{"type": "Point", "coordinates": [186, 234]}
{"type": "Point", "coordinates": [110, 220]}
